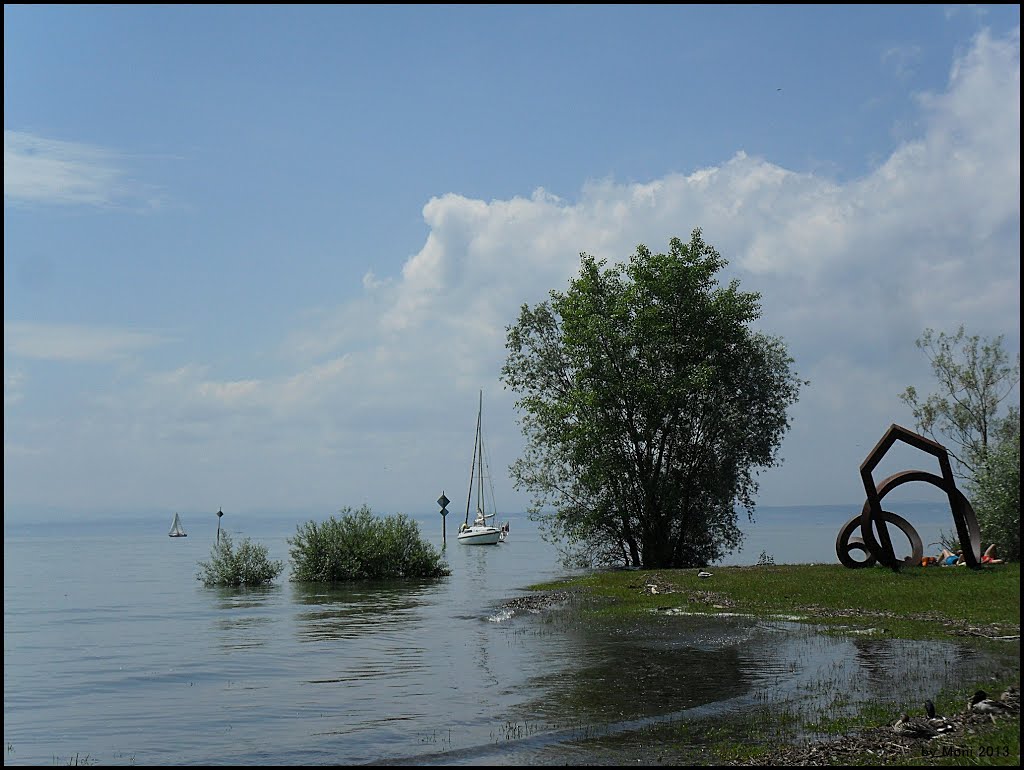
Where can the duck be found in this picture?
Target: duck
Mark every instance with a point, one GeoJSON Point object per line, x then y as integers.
{"type": "Point", "coordinates": [980, 703]}
{"type": "Point", "coordinates": [941, 724]}
{"type": "Point", "coordinates": [914, 727]}
{"type": "Point", "coordinates": [1011, 697]}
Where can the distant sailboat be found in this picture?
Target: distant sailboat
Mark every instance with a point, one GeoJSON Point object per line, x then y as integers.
{"type": "Point", "coordinates": [480, 532]}
{"type": "Point", "coordinates": [176, 530]}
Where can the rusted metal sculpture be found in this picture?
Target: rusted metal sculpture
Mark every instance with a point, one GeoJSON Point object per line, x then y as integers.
{"type": "Point", "coordinates": [874, 540]}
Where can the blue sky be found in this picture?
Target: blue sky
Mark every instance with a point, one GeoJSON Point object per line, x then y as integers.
{"type": "Point", "coordinates": [263, 257]}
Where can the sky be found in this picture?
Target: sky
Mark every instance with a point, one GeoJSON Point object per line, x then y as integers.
{"type": "Point", "coordinates": [263, 258]}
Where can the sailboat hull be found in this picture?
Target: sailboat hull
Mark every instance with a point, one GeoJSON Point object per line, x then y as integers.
{"type": "Point", "coordinates": [481, 536]}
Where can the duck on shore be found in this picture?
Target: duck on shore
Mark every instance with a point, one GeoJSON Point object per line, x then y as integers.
{"type": "Point", "coordinates": [1011, 698]}
{"type": "Point", "coordinates": [941, 724]}
{"type": "Point", "coordinates": [980, 703]}
{"type": "Point", "coordinates": [914, 727]}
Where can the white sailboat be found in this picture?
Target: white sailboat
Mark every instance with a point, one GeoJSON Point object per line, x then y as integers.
{"type": "Point", "coordinates": [482, 531]}
{"type": "Point", "coordinates": [176, 530]}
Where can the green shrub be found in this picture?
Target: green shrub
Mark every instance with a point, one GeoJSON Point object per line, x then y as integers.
{"type": "Point", "coordinates": [995, 493]}
{"type": "Point", "coordinates": [247, 565]}
{"type": "Point", "coordinates": [361, 546]}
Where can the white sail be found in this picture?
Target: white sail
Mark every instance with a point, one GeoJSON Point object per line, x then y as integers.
{"type": "Point", "coordinates": [176, 530]}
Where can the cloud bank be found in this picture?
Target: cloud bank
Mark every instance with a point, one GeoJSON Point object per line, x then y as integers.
{"type": "Point", "coordinates": [374, 400]}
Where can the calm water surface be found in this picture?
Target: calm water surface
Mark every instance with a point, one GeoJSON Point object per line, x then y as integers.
{"type": "Point", "coordinates": [114, 651]}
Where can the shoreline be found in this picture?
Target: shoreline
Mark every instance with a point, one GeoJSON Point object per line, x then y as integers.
{"type": "Point", "coordinates": [866, 738]}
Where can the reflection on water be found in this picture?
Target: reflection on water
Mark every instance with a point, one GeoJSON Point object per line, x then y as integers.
{"type": "Point", "coordinates": [244, 597]}
{"type": "Point", "coordinates": [241, 633]}
{"type": "Point", "coordinates": [244, 617]}
{"type": "Point", "coordinates": [889, 665]}
{"type": "Point", "coordinates": [622, 678]}
{"type": "Point", "coordinates": [345, 611]}
{"type": "Point", "coordinates": [635, 672]}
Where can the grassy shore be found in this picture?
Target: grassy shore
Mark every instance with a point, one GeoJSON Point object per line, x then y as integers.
{"type": "Point", "coordinates": [977, 609]}
{"type": "Point", "coordinates": [915, 603]}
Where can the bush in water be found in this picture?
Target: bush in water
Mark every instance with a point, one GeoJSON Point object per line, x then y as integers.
{"type": "Point", "coordinates": [246, 565]}
{"type": "Point", "coordinates": [361, 546]}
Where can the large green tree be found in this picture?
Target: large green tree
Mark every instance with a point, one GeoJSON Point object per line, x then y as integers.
{"type": "Point", "coordinates": [975, 375]}
{"type": "Point", "coordinates": [649, 405]}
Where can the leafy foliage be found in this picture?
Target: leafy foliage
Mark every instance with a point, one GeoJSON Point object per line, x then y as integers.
{"type": "Point", "coordinates": [995, 492]}
{"type": "Point", "coordinates": [648, 405]}
{"type": "Point", "coordinates": [361, 546]}
{"type": "Point", "coordinates": [974, 375]}
{"type": "Point", "coordinates": [246, 565]}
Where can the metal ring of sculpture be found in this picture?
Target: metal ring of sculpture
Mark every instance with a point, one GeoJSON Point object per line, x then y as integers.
{"type": "Point", "coordinates": [872, 519]}
{"type": "Point", "coordinates": [846, 541]}
{"type": "Point", "coordinates": [970, 519]}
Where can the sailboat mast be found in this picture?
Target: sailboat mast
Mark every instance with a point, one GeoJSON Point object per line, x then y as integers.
{"type": "Point", "coordinates": [476, 445]}
{"type": "Point", "coordinates": [481, 501]}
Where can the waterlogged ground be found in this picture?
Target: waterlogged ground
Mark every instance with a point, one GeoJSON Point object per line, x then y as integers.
{"type": "Point", "coordinates": [640, 687]}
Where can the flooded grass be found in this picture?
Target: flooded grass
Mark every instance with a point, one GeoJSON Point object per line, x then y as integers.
{"type": "Point", "coordinates": [827, 656]}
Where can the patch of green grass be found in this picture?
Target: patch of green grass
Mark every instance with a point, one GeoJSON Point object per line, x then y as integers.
{"type": "Point", "coordinates": [755, 737]}
{"type": "Point", "coordinates": [913, 602]}
{"type": "Point", "coordinates": [998, 744]}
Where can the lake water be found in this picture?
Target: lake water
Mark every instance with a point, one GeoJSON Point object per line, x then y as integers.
{"type": "Point", "coordinates": [113, 651]}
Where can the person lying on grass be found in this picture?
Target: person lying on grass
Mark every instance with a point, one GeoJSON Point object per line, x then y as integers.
{"type": "Point", "coordinates": [989, 557]}
{"type": "Point", "coordinates": [949, 559]}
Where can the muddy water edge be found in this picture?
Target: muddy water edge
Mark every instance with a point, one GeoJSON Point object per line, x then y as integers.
{"type": "Point", "coordinates": [662, 686]}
